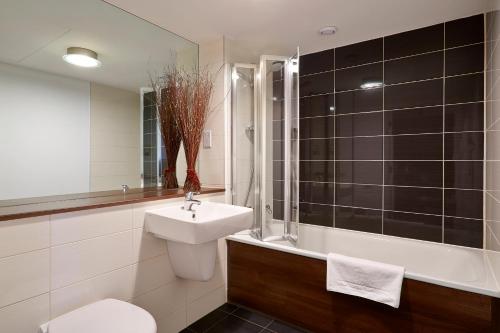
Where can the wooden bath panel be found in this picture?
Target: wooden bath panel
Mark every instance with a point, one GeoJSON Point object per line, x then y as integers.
{"type": "Point", "coordinates": [292, 288]}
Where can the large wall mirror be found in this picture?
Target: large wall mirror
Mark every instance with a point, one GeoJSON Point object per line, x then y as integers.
{"type": "Point", "coordinates": [65, 128]}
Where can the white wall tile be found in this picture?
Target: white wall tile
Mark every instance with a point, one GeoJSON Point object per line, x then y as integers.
{"type": "Point", "coordinates": [197, 289]}
{"type": "Point", "coordinates": [24, 276]}
{"type": "Point", "coordinates": [24, 235]}
{"type": "Point", "coordinates": [152, 274]}
{"type": "Point", "coordinates": [165, 300]}
{"type": "Point", "coordinates": [147, 246]}
{"type": "Point", "coordinates": [78, 261]}
{"type": "Point", "coordinates": [205, 304]}
{"type": "Point", "coordinates": [82, 225]}
{"type": "Point", "coordinates": [25, 316]}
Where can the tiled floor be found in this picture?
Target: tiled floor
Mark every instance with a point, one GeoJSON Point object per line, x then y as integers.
{"type": "Point", "coordinates": [230, 318]}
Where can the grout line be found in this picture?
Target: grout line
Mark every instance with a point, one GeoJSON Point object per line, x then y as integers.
{"type": "Point", "coordinates": [383, 132]}
{"type": "Point", "coordinates": [334, 140]}
{"type": "Point", "coordinates": [443, 136]}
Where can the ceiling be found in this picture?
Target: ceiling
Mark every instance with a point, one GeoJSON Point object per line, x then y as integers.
{"type": "Point", "coordinates": [130, 48]}
{"type": "Point", "coordinates": [278, 26]}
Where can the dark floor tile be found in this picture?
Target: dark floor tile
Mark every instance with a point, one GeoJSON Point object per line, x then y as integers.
{"type": "Point", "coordinates": [415, 94]}
{"type": "Point", "coordinates": [416, 226]}
{"type": "Point", "coordinates": [414, 121]}
{"type": "Point", "coordinates": [420, 67]}
{"type": "Point", "coordinates": [359, 53]}
{"type": "Point", "coordinates": [316, 214]}
{"type": "Point", "coordinates": [358, 101]}
{"type": "Point", "coordinates": [368, 220]}
{"type": "Point", "coordinates": [463, 203]}
{"type": "Point", "coordinates": [317, 171]}
{"type": "Point", "coordinates": [232, 324]}
{"type": "Point", "coordinates": [313, 106]}
{"type": "Point", "coordinates": [463, 146]}
{"type": "Point", "coordinates": [414, 41]}
{"type": "Point", "coordinates": [464, 117]}
{"type": "Point", "coordinates": [359, 172]}
{"type": "Point", "coordinates": [464, 89]}
{"type": "Point", "coordinates": [465, 31]}
{"type": "Point", "coordinates": [363, 196]}
{"type": "Point", "coordinates": [312, 192]}
{"type": "Point", "coordinates": [254, 317]}
{"type": "Point", "coordinates": [414, 147]}
{"type": "Point", "coordinates": [359, 148]}
{"type": "Point", "coordinates": [319, 127]}
{"type": "Point", "coordinates": [359, 124]}
{"type": "Point", "coordinates": [414, 199]}
{"type": "Point", "coordinates": [317, 84]}
{"type": "Point", "coordinates": [414, 173]}
{"type": "Point", "coordinates": [228, 308]}
{"type": "Point", "coordinates": [317, 62]}
{"type": "Point", "coordinates": [463, 232]}
{"type": "Point", "coordinates": [317, 149]}
{"type": "Point", "coordinates": [208, 321]}
{"type": "Point", "coordinates": [463, 174]}
{"type": "Point", "coordinates": [463, 60]}
{"type": "Point", "coordinates": [280, 327]}
{"type": "Point", "coordinates": [353, 78]}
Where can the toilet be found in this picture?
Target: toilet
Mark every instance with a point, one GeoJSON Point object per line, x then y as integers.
{"type": "Point", "coordinates": [105, 316]}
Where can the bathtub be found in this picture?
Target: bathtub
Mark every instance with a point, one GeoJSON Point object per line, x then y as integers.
{"type": "Point", "coordinates": [450, 266]}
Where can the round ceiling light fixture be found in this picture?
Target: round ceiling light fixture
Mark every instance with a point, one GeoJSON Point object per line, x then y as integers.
{"type": "Point", "coordinates": [82, 57]}
{"type": "Point", "coordinates": [327, 31]}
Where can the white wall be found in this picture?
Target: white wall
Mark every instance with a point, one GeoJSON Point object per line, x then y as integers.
{"type": "Point", "coordinates": [54, 264]}
{"type": "Point", "coordinates": [44, 134]}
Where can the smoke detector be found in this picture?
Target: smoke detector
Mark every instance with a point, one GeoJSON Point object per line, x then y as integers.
{"type": "Point", "coordinates": [327, 31]}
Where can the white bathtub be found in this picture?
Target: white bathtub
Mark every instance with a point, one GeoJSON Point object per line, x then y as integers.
{"type": "Point", "coordinates": [446, 265]}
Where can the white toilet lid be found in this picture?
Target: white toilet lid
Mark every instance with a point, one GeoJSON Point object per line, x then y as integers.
{"type": "Point", "coordinates": [106, 316]}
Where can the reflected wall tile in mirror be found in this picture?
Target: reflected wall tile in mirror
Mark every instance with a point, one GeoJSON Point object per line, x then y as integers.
{"type": "Point", "coordinates": [323, 105]}
{"type": "Point", "coordinates": [412, 225]}
{"type": "Point", "coordinates": [360, 124]}
{"type": "Point", "coordinates": [317, 62]}
{"type": "Point", "coordinates": [363, 196]}
{"type": "Point", "coordinates": [414, 147]}
{"type": "Point", "coordinates": [317, 149]}
{"type": "Point", "coordinates": [278, 107]}
{"type": "Point", "coordinates": [463, 89]}
{"type": "Point", "coordinates": [463, 232]}
{"type": "Point", "coordinates": [465, 31]}
{"type": "Point", "coordinates": [414, 42]}
{"type": "Point", "coordinates": [359, 101]}
{"type": "Point", "coordinates": [317, 127]}
{"type": "Point", "coordinates": [463, 174]}
{"type": "Point", "coordinates": [414, 121]}
{"type": "Point", "coordinates": [420, 67]}
{"type": "Point", "coordinates": [278, 151]}
{"type": "Point", "coordinates": [410, 95]}
{"type": "Point", "coordinates": [359, 172]}
{"type": "Point", "coordinates": [317, 84]}
{"type": "Point", "coordinates": [368, 220]}
{"type": "Point", "coordinates": [278, 189]}
{"type": "Point", "coordinates": [463, 203]}
{"type": "Point", "coordinates": [359, 148]}
{"type": "Point", "coordinates": [278, 170]}
{"type": "Point", "coordinates": [414, 199]}
{"type": "Point", "coordinates": [359, 53]}
{"type": "Point", "coordinates": [317, 171]}
{"type": "Point", "coordinates": [464, 117]}
{"type": "Point", "coordinates": [316, 214]}
{"type": "Point", "coordinates": [353, 78]}
{"type": "Point", "coordinates": [278, 207]}
{"type": "Point", "coordinates": [414, 173]}
{"type": "Point", "coordinates": [466, 59]}
{"type": "Point", "coordinates": [316, 192]}
{"type": "Point", "coordinates": [463, 146]}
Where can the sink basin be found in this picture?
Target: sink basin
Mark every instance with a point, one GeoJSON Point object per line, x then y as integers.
{"type": "Point", "coordinates": [192, 235]}
{"type": "Point", "coordinates": [209, 222]}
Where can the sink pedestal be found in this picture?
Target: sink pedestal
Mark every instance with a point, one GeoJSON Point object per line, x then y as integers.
{"type": "Point", "coordinates": [193, 261]}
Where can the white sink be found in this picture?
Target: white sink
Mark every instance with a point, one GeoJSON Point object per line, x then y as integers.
{"type": "Point", "coordinates": [209, 221]}
{"type": "Point", "coordinates": [192, 235]}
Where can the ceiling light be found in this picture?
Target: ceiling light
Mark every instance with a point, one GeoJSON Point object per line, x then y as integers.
{"type": "Point", "coordinates": [326, 31]}
{"type": "Point", "coordinates": [79, 56]}
{"type": "Point", "coordinates": [371, 84]}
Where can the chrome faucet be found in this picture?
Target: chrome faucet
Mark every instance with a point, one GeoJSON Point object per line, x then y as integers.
{"type": "Point", "coordinates": [189, 201]}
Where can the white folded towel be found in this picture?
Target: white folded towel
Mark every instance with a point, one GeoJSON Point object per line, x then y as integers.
{"type": "Point", "coordinates": [364, 278]}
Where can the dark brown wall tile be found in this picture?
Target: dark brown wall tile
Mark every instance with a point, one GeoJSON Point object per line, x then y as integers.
{"type": "Point", "coordinates": [420, 67]}
{"type": "Point", "coordinates": [463, 89]}
{"type": "Point", "coordinates": [316, 192]}
{"type": "Point", "coordinates": [465, 31]}
{"type": "Point", "coordinates": [359, 101]}
{"type": "Point", "coordinates": [463, 232]}
{"type": "Point", "coordinates": [278, 129]}
{"type": "Point", "coordinates": [316, 84]}
{"type": "Point", "coordinates": [464, 117]}
{"type": "Point", "coordinates": [317, 62]}
{"type": "Point", "coordinates": [368, 220]}
{"type": "Point", "coordinates": [278, 188]}
{"type": "Point", "coordinates": [463, 203]}
{"type": "Point", "coordinates": [359, 172]}
{"type": "Point", "coordinates": [414, 121]}
{"type": "Point", "coordinates": [414, 147]}
{"type": "Point", "coordinates": [410, 225]}
{"type": "Point", "coordinates": [317, 149]}
{"type": "Point", "coordinates": [278, 170]}
{"type": "Point", "coordinates": [322, 105]}
{"type": "Point", "coordinates": [414, 173]}
{"type": "Point", "coordinates": [414, 199]}
{"type": "Point", "coordinates": [316, 214]}
{"type": "Point", "coordinates": [317, 127]}
{"type": "Point", "coordinates": [359, 148]}
{"type": "Point", "coordinates": [278, 153]}
{"type": "Point", "coordinates": [463, 60]}
{"type": "Point", "coordinates": [278, 212]}
{"type": "Point", "coordinates": [463, 174]}
{"type": "Point", "coordinates": [360, 124]}
{"type": "Point", "coordinates": [410, 95]}
{"type": "Point", "coordinates": [363, 196]}
{"type": "Point", "coordinates": [359, 53]}
{"type": "Point", "coordinates": [463, 146]}
{"type": "Point", "coordinates": [316, 171]}
{"type": "Point", "coordinates": [415, 41]}
{"type": "Point", "coordinates": [353, 78]}
{"type": "Point", "coordinates": [278, 108]}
